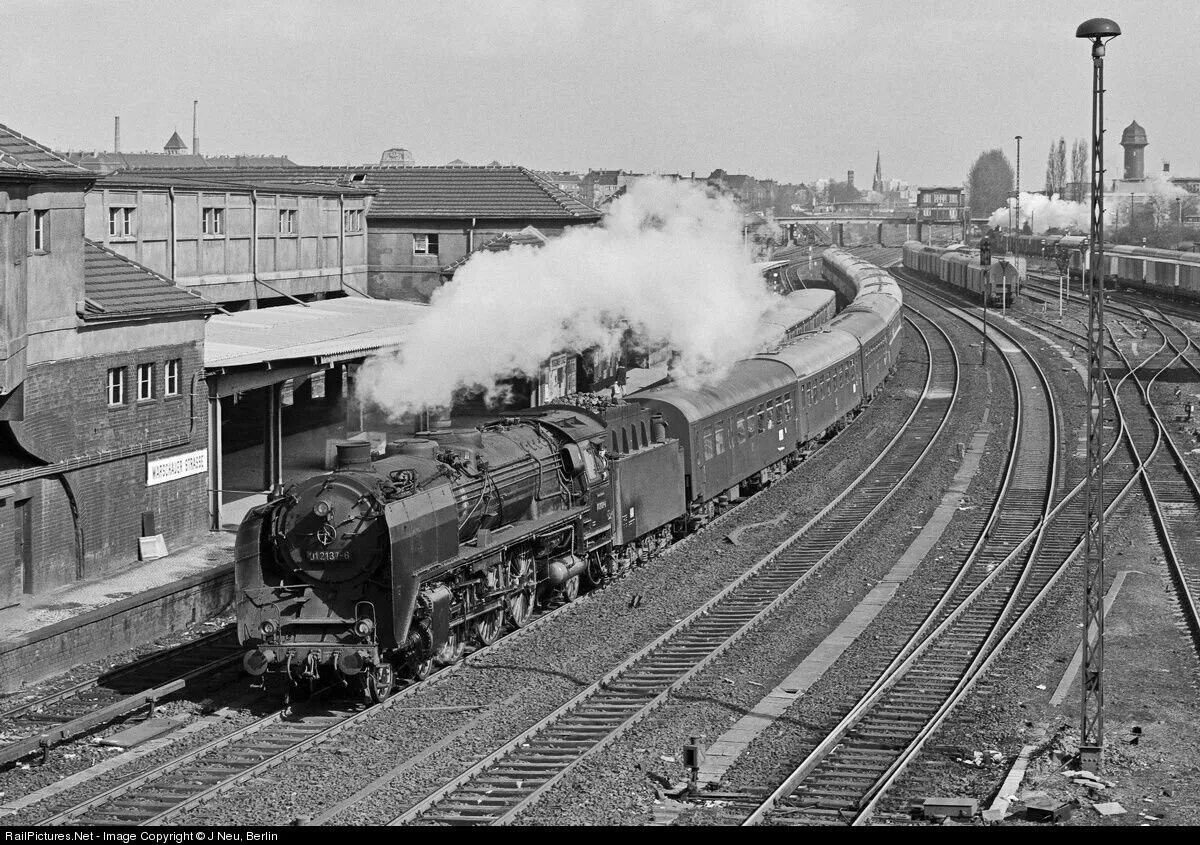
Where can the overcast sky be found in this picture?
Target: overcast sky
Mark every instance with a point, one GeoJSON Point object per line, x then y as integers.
{"type": "Point", "coordinates": [784, 89]}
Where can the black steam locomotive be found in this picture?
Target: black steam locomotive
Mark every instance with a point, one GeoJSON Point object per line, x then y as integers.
{"type": "Point", "coordinates": [398, 563]}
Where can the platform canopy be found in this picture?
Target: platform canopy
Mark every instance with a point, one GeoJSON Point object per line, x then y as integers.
{"type": "Point", "coordinates": [320, 332]}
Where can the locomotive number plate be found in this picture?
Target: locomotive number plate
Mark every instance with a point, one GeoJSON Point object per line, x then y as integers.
{"type": "Point", "coordinates": [327, 556]}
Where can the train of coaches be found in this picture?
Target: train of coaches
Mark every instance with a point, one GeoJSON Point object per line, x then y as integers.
{"type": "Point", "coordinates": [389, 566]}
{"type": "Point", "coordinates": [1164, 271]}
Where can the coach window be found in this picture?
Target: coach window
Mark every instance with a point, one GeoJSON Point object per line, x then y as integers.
{"type": "Point", "coordinates": [613, 436]}
{"type": "Point", "coordinates": [624, 441]}
{"type": "Point", "coordinates": [762, 419]}
{"type": "Point", "coordinates": [720, 438]}
{"type": "Point", "coordinates": [708, 445]}
{"type": "Point", "coordinates": [741, 430]}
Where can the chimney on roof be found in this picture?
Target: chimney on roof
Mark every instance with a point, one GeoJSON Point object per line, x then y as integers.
{"type": "Point", "coordinates": [117, 134]}
{"type": "Point", "coordinates": [195, 137]}
{"type": "Point", "coordinates": [850, 178]}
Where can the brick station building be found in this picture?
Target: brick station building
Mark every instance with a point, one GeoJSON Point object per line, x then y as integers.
{"type": "Point", "coordinates": [103, 425]}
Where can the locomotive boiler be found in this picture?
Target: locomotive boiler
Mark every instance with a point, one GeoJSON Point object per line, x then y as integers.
{"type": "Point", "coordinates": [399, 562]}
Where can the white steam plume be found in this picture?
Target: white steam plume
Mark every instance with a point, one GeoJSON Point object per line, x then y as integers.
{"type": "Point", "coordinates": [1042, 213]}
{"type": "Point", "coordinates": [667, 261]}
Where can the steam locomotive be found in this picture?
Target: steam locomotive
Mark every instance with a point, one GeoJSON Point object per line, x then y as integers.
{"type": "Point", "coordinates": [391, 566]}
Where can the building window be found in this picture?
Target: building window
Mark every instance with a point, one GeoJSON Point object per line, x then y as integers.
{"type": "Point", "coordinates": [287, 221]}
{"type": "Point", "coordinates": [41, 230]}
{"type": "Point", "coordinates": [120, 222]}
{"type": "Point", "coordinates": [425, 244]}
{"type": "Point", "coordinates": [172, 378]}
{"type": "Point", "coordinates": [145, 382]}
{"type": "Point", "coordinates": [116, 387]}
{"type": "Point", "coordinates": [214, 221]}
{"type": "Point", "coordinates": [353, 221]}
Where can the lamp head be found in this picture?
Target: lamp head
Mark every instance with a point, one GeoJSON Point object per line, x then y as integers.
{"type": "Point", "coordinates": [1101, 28]}
{"type": "Point", "coordinates": [1099, 31]}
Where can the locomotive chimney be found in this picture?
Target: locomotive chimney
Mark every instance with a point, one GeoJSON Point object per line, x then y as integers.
{"type": "Point", "coordinates": [658, 428]}
{"type": "Point", "coordinates": [353, 454]}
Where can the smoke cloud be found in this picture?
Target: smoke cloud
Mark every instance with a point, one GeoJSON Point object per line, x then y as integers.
{"type": "Point", "coordinates": [667, 261]}
{"type": "Point", "coordinates": [1042, 213]}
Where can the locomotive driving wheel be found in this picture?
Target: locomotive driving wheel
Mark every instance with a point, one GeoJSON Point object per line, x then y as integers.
{"type": "Point", "coordinates": [487, 628]}
{"type": "Point", "coordinates": [381, 680]}
{"type": "Point", "coordinates": [520, 607]}
{"type": "Point", "coordinates": [455, 646]}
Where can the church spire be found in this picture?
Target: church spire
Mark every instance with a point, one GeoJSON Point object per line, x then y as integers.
{"type": "Point", "coordinates": [877, 183]}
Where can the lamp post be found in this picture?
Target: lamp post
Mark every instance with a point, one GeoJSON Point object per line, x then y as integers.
{"type": "Point", "coordinates": [1018, 137]}
{"type": "Point", "coordinates": [1091, 728]}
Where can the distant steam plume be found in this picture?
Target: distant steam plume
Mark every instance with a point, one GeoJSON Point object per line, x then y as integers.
{"type": "Point", "coordinates": [1042, 213]}
{"type": "Point", "coordinates": [667, 261]}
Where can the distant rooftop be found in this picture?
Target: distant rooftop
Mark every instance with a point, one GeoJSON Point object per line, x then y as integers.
{"type": "Point", "coordinates": [504, 192]}
{"type": "Point", "coordinates": [108, 162]}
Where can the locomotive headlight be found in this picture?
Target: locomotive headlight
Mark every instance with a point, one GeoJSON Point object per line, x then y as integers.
{"type": "Point", "coordinates": [322, 508]}
{"type": "Point", "coordinates": [364, 627]}
{"type": "Point", "coordinates": [268, 628]}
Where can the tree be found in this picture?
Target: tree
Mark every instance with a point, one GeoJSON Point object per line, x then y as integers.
{"type": "Point", "coordinates": [990, 183]}
{"type": "Point", "coordinates": [1080, 168]}
{"type": "Point", "coordinates": [1056, 168]}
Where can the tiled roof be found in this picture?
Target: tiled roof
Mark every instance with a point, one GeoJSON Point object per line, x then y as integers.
{"type": "Point", "coordinates": [450, 192]}
{"type": "Point", "coordinates": [24, 156]}
{"type": "Point", "coordinates": [328, 331]}
{"type": "Point", "coordinates": [117, 288]}
{"type": "Point", "coordinates": [529, 236]}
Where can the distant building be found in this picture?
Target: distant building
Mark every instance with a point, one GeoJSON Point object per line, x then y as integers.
{"type": "Point", "coordinates": [100, 376]}
{"type": "Point", "coordinates": [421, 219]}
{"type": "Point", "coordinates": [598, 187]}
{"type": "Point", "coordinates": [940, 205]}
{"type": "Point", "coordinates": [396, 157]}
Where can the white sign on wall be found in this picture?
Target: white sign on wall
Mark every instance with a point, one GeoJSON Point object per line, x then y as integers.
{"type": "Point", "coordinates": [176, 466]}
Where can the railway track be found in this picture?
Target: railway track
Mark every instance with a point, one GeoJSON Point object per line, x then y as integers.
{"type": "Point", "coordinates": [156, 796]}
{"type": "Point", "coordinates": [848, 771]}
{"type": "Point", "coordinates": [1172, 492]}
{"type": "Point", "coordinates": [51, 719]}
{"type": "Point", "coordinates": [511, 779]}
